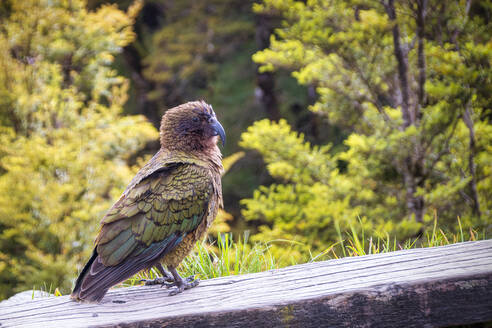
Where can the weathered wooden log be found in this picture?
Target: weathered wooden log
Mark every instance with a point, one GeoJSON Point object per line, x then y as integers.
{"type": "Point", "coordinates": [431, 287]}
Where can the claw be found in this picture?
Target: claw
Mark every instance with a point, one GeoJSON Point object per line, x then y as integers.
{"type": "Point", "coordinates": [179, 287]}
{"type": "Point", "coordinates": [192, 284]}
{"type": "Point", "coordinates": [176, 290]}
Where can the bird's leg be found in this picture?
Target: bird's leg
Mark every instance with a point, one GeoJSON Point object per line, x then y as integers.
{"type": "Point", "coordinates": [166, 277]}
{"type": "Point", "coordinates": [181, 284]}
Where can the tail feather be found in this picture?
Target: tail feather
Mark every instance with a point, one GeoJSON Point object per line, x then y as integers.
{"type": "Point", "coordinates": [80, 278]}
{"type": "Point", "coordinates": [96, 278]}
{"type": "Point", "coordinates": [99, 279]}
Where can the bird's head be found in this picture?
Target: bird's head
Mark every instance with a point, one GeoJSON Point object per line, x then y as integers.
{"type": "Point", "coordinates": [190, 127]}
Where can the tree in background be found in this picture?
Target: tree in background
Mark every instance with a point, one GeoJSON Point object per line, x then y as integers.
{"type": "Point", "coordinates": [195, 37]}
{"type": "Point", "coordinates": [64, 145]}
{"type": "Point", "coordinates": [410, 82]}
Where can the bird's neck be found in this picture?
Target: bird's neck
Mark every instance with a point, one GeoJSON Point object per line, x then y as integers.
{"type": "Point", "coordinates": [209, 157]}
{"type": "Point", "coordinates": [214, 158]}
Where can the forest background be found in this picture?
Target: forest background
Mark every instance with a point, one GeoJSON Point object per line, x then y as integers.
{"type": "Point", "coordinates": [369, 116]}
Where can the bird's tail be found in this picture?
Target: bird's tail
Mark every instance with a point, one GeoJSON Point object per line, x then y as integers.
{"type": "Point", "coordinates": [96, 278]}
{"type": "Point", "coordinates": [78, 284]}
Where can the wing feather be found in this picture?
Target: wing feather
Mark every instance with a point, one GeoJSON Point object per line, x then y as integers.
{"type": "Point", "coordinates": [169, 202]}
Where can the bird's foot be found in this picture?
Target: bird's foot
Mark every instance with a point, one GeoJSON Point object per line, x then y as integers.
{"type": "Point", "coordinates": [166, 277]}
{"type": "Point", "coordinates": [157, 281]}
{"type": "Point", "coordinates": [179, 286]}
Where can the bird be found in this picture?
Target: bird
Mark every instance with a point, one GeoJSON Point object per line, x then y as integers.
{"type": "Point", "coordinates": [166, 208]}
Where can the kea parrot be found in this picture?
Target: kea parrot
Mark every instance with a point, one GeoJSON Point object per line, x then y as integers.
{"type": "Point", "coordinates": [165, 209]}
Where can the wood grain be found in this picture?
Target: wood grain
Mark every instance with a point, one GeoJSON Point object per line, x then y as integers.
{"type": "Point", "coordinates": [432, 287]}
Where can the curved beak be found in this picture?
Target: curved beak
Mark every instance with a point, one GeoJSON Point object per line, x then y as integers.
{"type": "Point", "coordinates": [219, 130]}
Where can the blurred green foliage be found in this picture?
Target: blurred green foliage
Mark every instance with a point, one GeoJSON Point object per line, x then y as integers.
{"type": "Point", "coordinates": [195, 38]}
{"type": "Point", "coordinates": [64, 145]}
{"type": "Point", "coordinates": [403, 160]}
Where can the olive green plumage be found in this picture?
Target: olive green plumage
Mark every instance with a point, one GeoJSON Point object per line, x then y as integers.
{"type": "Point", "coordinates": [165, 209]}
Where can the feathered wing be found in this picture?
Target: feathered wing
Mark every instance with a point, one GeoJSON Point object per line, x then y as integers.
{"type": "Point", "coordinates": [149, 220]}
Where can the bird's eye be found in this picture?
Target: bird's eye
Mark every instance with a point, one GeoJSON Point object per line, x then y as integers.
{"type": "Point", "coordinates": [195, 119]}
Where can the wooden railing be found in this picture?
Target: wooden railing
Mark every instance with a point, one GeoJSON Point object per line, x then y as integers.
{"type": "Point", "coordinates": [431, 287]}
